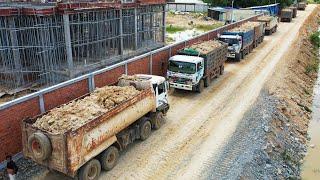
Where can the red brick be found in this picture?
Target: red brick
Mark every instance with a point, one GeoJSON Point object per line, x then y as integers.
{"type": "Point", "coordinates": [139, 67]}
{"type": "Point", "coordinates": [160, 63]}
{"type": "Point", "coordinates": [65, 94]}
{"type": "Point", "coordinates": [109, 77]}
{"type": "Point", "coordinates": [10, 118]}
{"type": "Point", "coordinates": [176, 48]}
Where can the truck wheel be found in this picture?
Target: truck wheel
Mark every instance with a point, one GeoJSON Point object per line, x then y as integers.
{"type": "Point", "coordinates": [109, 158]}
{"type": "Point", "coordinates": [158, 120]}
{"type": "Point", "coordinates": [238, 57]}
{"type": "Point", "coordinates": [207, 82]}
{"type": "Point", "coordinates": [40, 146]}
{"type": "Point", "coordinates": [145, 130]}
{"type": "Point", "coordinates": [222, 70]}
{"type": "Point", "coordinates": [90, 171]}
{"type": "Point", "coordinates": [201, 86]}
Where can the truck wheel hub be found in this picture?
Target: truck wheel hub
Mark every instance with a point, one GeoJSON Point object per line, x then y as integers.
{"type": "Point", "coordinates": [36, 147]}
{"type": "Point", "coordinates": [92, 172]}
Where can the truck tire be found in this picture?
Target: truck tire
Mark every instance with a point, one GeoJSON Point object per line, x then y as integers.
{"type": "Point", "coordinates": [222, 70]}
{"type": "Point", "coordinates": [40, 146]}
{"type": "Point", "coordinates": [207, 82]}
{"type": "Point", "coordinates": [145, 130]}
{"type": "Point", "coordinates": [90, 171]}
{"type": "Point", "coordinates": [200, 86]}
{"type": "Point", "coordinates": [238, 57]}
{"type": "Point", "coordinates": [158, 120]}
{"type": "Point", "coordinates": [109, 158]}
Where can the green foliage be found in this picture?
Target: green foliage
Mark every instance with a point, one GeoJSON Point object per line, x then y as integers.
{"type": "Point", "coordinates": [314, 1]}
{"type": "Point", "coordinates": [315, 39]}
{"type": "Point", "coordinates": [174, 29]}
{"type": "Point", "coordinates": [248, 3]}
{"type": "Point", "coordinates": [208, 27]}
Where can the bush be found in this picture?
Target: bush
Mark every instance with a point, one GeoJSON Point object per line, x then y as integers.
{"type": "Point", "coordinates": [315, 39]}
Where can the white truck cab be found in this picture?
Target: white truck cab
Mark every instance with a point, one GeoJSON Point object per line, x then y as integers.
{"type": "Point", "coordinates": [160, 86]}
{"type": "Point", "coordinates": [185, 72]}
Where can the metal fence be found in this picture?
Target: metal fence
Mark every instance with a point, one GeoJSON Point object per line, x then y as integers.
{"type": "Point", "coordinates": [187, 7]}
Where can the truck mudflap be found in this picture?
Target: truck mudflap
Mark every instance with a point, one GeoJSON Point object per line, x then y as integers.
{"type": "Point", "coordinates": [181, 86]}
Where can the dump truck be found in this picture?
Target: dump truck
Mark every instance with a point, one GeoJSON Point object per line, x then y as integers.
{"type": "Point", "coordinates": [239, 40]}
{"type": "Point", "coordinates": [302, 6]}
{"type": "Point", "coordinates": [271, 23]}
{"type": "Point", "coordinates": [259, 29]}
{"type": "Point", "coordinates": [294, 11]}
{"type": "Point", "coordinates": [195, 66]}
{"type": "Point", "coordinates": [84, 136]}
{"type": "Point", "coordinates": [286, 15]}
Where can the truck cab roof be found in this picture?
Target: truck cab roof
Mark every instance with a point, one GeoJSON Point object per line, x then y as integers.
{"type": "Point", "coordinates": [152, 78]}
{"type": "Point", "coordinates": [184, 58]}
{"type": "Point", "coordinates": [229, 36]}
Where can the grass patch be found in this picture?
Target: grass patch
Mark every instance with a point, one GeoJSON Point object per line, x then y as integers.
{"type": "Point", "coordinates": [207, 27]}
{"type": "Point", "coordinates": [313, 67]}
{"type": "Point", "coordinates": [173, 29]}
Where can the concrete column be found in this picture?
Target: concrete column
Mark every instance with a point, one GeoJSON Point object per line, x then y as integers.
{"type": "Point", "coordinates": [164, 25]}
{"type": "Point", "coordinates": [135, 29]}
{"type": "Point", "coordinates": [67, 36]}
{"type": "Point", "coordinates": [15, 51]}
{"type": "Point", "coordinates": [121, 32]}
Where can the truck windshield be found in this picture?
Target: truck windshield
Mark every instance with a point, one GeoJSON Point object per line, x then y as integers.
{"type": "Point", "coordinates": [182, 67]}
{"type": "Point", "coordinates": [229, 41]}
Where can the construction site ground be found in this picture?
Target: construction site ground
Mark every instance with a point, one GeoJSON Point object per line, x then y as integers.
{"type": "Point", "coordinates": [249, 124]}
{"type": "Point", "coordinates": [181, 26]}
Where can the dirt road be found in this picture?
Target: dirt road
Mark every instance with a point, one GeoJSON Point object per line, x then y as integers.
{"type": "Point", "coordinates": [199, 125]}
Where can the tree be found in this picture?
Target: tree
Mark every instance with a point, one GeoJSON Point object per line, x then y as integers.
{"type": "Point", "coordinates": [247, 3]}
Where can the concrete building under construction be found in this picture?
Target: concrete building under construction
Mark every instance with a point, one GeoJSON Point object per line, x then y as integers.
{"type": "Point", "coordinates": [47, 43]}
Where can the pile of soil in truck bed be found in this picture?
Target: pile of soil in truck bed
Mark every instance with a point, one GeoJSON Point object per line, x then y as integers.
{"type": "Point", "coordinates": [250, 24]}
{"type": "Point", "coordinates": [265, 18]}
{"type": "Point", "coordinates": [79, 112]}
{"type": "Point", "coordinates": [206, 46]}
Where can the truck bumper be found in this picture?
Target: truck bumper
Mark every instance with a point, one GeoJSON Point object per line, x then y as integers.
{"type": "Point", "coordinates": [181, 86]}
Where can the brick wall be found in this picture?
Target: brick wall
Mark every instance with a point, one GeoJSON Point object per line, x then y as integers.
{"type": "Point", "coordinates": [11, 116]}
{"type": "Point", "coordinates": [10, 131]}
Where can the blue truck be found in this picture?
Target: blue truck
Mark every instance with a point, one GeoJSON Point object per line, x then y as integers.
{"type": "Point", "coordinates": [240, 41]}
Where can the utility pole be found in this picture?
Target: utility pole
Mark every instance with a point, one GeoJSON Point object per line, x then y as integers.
{"type": "Point", "coordinates": [232, 12]}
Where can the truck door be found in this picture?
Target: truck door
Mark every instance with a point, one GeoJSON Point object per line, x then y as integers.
{"type": "Point", "coordinates": [162, 95]}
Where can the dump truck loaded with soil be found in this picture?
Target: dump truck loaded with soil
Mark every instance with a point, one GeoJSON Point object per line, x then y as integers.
{"type": "Point", "coordinates": [286, 15]}
{"type": "Point", "coordinates": [302, 6]}
{"type": "Point", "coordinates": [259, 28]}
{"type": "Point", "coordinates": [195, 66]}
{"type": "Point", "coordinates": [85, 135]}
{"type": "Point", "coordinates": [271, 23]}
{"type": "Point", "coordinates": [240, 41]}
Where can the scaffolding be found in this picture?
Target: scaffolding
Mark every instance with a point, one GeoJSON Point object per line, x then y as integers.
{"type": "Point", "coordinates": [42, 44]}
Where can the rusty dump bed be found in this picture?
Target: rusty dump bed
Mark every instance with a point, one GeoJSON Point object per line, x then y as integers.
{"type": "Point", "coordinates": [72, 149]}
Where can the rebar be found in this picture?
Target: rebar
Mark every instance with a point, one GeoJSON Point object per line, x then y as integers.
{"type": "Point", "coordinates": [41, 45]}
